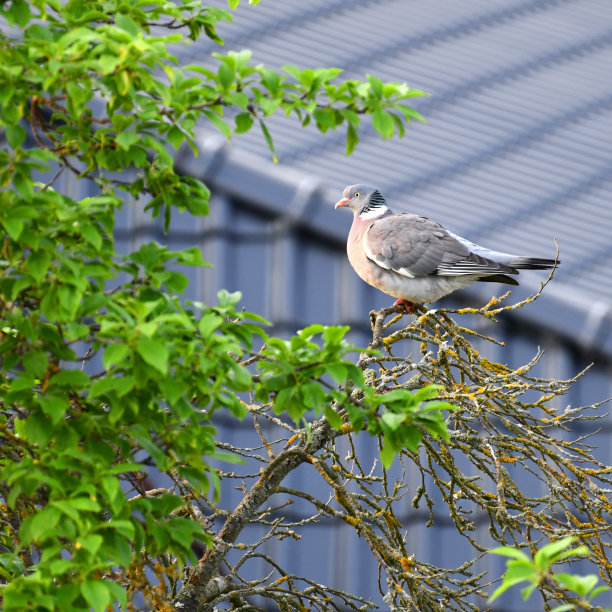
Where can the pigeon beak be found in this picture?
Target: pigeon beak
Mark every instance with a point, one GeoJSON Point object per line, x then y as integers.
{"type": "Point", "coordinates": [341, 202]}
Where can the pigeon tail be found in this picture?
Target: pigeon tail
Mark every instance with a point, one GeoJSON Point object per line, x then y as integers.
{"type": "Point", "coordinates": [498, 278]}
{"type": "Point", "coordinates": [533, 263]}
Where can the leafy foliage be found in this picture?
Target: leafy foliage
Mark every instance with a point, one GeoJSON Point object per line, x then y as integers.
{"type": "Point", "coordinates": [539, 570]}
{"type": "Point", "coordinates": [293, 370]}
{"type": "Point", "coordinates": [106, 372]}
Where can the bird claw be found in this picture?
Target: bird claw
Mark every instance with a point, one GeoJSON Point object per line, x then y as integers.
{"type": "Point", "coordinates": [409, 307]}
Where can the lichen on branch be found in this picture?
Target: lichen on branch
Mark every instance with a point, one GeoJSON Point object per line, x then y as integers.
{"type": "Point", "coordinates": [509, 431]}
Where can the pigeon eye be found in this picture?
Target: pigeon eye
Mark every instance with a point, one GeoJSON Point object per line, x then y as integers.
{"type": "Point", "coordinates": [356, 195]}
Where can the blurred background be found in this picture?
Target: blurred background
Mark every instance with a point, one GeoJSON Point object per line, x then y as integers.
{"type": "Point", "coordinates": [516, 151]}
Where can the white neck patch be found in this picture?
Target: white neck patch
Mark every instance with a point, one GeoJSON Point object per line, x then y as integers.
{"type": "Point", "coordinates": [378, 211]}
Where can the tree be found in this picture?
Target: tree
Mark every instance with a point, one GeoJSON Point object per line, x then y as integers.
{"type": "Point", "coordinates": [107, 373]}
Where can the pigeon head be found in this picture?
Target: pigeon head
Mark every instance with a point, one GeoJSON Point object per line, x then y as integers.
{"type": "Point", "coordinates": [364, 200]}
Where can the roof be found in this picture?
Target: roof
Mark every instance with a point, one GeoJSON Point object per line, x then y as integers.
{"type": "Point", "coordinates": [517, 148]}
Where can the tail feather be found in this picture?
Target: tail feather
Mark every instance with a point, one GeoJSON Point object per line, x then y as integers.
{"type": "Point", "coordinates": [498, 278]}
{"type": "Point", "coordinates": [533, 263]}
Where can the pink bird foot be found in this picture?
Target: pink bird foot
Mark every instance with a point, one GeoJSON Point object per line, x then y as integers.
{"type": "Point", "coordinates": [409, 307]}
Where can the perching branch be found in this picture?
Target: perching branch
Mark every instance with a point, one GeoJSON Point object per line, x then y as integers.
{"type": "Point", "coordinates": [505, 419]}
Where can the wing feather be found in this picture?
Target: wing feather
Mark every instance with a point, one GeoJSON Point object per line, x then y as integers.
{"type": "Point", "coordinates": [413, 246]}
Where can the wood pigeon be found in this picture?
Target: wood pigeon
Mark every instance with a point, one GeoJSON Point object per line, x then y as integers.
{"type": "Point", "coordinates": [415, 259]}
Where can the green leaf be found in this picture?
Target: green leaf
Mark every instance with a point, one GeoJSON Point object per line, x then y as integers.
{"type": "Point", "coordinates": [581, 585]}
{"type": "Point", "coordinates": [107, 63]}
{"type": "Point", "coordinates": [517, 571]}
{"type": "Point", "coordinates": [434, 424]}
{"type": "Point", "coordinates": [509, 551]}
{"type": "Point", "coordinates": [228, 457]}
{"type": "Point", "coordinates": [19, 13]}
{"type": "Point", "coordinates": [244, 122]}
{"type": "Point", "coordinates": [91, 543]}
{"type": "Point", "coordinates": [376, 85]}
{"type": "Point", "coordinates": [14, 227]}
{"type": "Point", "coordinates": [333, 418]}
{"type": "Point", "coordinates": [83, 503]}
{"type": "Point", "coordinates": [325, 118]}
{"type": "Point", "coordinates": [35, 363]}
{"type": "Point", "coordinates": [228, 299]}
{"type": "Point", "coordinates": [221, 125]}
{"type": "Point", "coordinates": [209, 323]}
{"type": "Point", "coordinates": [154, 353]}
{"type": "Point", "coordinates": [191, 257]}
{"type": "Point", "coordinates": [117, 592]}
{"type": "Point", "coordinates": [240, 377]}
{"type": "Point", "coordinates": [333, 334]}
{"type": "Point", "coordinates": [175, 136]}
{"type": "Point", "coordinates": [114, 353]}
{"type": "Point", "coordinates": [410, 113]}
{"type": "Point", "coordinates": [354, 374]}
{"type": "Point", "coordinates": [126, 139]}
{"type": "Point", "coordinates": [175, 282]}
{"type": "Point", "coordinates": [96, 594]}
{"type": "Point", "coordinates": [54, 406]}
{"type": "Point", "coordinates": [287, 400]}
{"type": "Point", "coordinates": [238, 99]}
{"type": "Point", "coordinates": [226, 74]}
{"type": "Point", "coordinates": [269, 141]}
{"type": "Point", "coordinates": [12, 564]}
{"type": "Point", "coordinates": [399, 396]}
{"type": "Point", "coordinates": [311, 330]}
{"type": "Point", "coordinates": [294, 71]}
{"type": "Point", "coordinates": [551, 552]}
{"type": "Point", "coordinates": [271, 80]}
{"type": "Point", "coordinates": [23, 382]}
{"type": "Point", "coordinates": [127, 24]}
{"type": "Point", "coordinates": [91, 234]}
{"type": "Point", "coordinates": [352, 139]}
{"type": "Point", "coordinates": [261, 394]}
{"type": "Point", "coordinates": [38, 32]}
{"type": "Point", "coordinates": [574, 552]}
{"type": "Point", "coordinates": [436, 405]}
{"type": "Point", "coordinates": [597, 591]}
{"type": "Point", "coordinates": [69, 378]}
{"type": "Point", "coordinates": [172, 389]}
{"type": "Point", "coordinates": [37, 526]}
{"type": "Point", "coordinates": [387, 454]}
{"type": "Point", "coordinates": [528, 590]}
{"type": "Point", "coordinates": [383, 123]}
{"type": "Point", "coordinates": [15, 134]}
{"type": "Point", "coordinates": [410, 437]}
{"type": "Point", "coordinates": [337, 371]}
{"type": "Point", "coordinates": [393, 420]}
{"type": "Point", "coordinates": [120, 386]}
{"type": "Point", "coordinates": [36, 429]}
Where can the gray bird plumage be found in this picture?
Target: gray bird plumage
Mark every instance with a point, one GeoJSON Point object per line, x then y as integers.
{"type": "Point", "coordinates": [415, 259]}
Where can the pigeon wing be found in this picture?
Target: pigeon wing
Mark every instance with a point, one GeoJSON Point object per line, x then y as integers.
{"type": "Point", "coordinates": [415, 246]}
